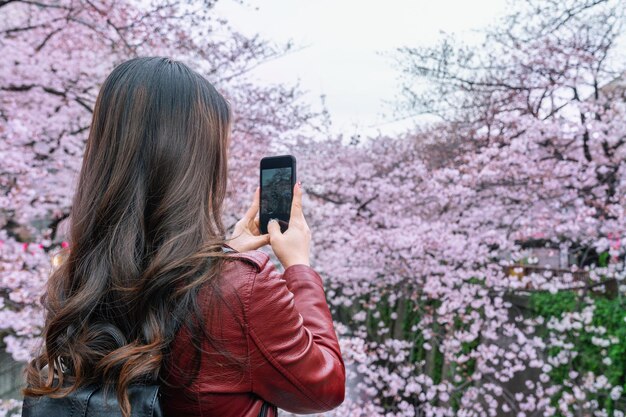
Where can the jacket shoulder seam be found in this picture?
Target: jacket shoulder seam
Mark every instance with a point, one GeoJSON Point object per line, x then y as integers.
{"type": "Point", "coordinates": [250, 284]}
{"type": "Point", "coordinates": [246, 309]}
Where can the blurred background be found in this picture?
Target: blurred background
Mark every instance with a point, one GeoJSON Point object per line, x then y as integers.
{"type": "Point", "coordinates": [464, 168]}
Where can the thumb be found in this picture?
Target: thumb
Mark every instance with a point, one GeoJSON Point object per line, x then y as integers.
{"type": "Point", "coordinates": [273, 228]}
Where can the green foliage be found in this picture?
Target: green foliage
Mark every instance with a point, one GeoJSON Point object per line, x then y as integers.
{"type": "Point", "coordinates": [608, 323]}
{"type": "Point", "coordinates": [553, 305]}
{"type": "Point", "coordinates": [603, 259]}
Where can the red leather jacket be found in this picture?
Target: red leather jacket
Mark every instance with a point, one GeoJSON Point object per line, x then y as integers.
{"type": "Point", "coordinates": [294, 360]}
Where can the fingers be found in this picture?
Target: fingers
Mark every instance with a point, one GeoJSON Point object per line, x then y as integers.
{"type": "Point", "coordinates": [261, 240]}
{"type": "Point", "coordinates": [296, 205]}
{"type": "Point", "coordinates": [254, 208]}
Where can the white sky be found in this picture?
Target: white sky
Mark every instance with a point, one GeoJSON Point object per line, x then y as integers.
{"type": "Point", "coordinates": [338, 45]}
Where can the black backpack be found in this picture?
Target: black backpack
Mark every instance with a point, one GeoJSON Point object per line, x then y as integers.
{"type": "Point", "coordinates": [89, 401]}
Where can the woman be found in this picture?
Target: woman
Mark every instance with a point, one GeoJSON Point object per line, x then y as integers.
{"type": "Point", "coordinates": [151, 289]}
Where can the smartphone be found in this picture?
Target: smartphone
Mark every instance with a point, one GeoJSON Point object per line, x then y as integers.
{"type": "Point", "coordinates": [278, 177]}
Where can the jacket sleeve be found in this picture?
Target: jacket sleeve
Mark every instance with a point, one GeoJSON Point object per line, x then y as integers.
{"type": "Point", "coordinates": [295, 360]}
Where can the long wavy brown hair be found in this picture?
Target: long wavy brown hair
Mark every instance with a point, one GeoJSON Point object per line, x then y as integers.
{"type": "Point", "coordinates": [146, 233]}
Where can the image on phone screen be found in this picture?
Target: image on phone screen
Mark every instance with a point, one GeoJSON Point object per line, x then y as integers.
{"type": "Point", "coordinates": [276, 195]}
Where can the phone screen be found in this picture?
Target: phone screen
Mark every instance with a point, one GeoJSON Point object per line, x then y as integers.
{"type": "Point", "coordinates": [276, 196]}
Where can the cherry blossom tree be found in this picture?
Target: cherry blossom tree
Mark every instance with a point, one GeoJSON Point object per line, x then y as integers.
{"type": "Point", "coordinates": [425, 259]}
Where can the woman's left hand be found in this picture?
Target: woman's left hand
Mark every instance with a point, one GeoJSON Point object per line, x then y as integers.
{"type": "Point", "coordinates": [246, 235]}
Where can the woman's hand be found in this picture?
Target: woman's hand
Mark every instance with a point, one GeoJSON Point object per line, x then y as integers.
{"type": "Point", "coordinates": [292, 247]}
{"type": "Point", "coordinates": [246, 235]}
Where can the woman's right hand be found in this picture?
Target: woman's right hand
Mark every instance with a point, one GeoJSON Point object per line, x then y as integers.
{"type": "Point", "coordinates": [292, 247]}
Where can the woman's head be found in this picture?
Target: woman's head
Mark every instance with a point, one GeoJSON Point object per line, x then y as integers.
{"type": "Point", "coordinates": [158, 141]}
{"type": "Point", "coordinates": [145, 227]}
